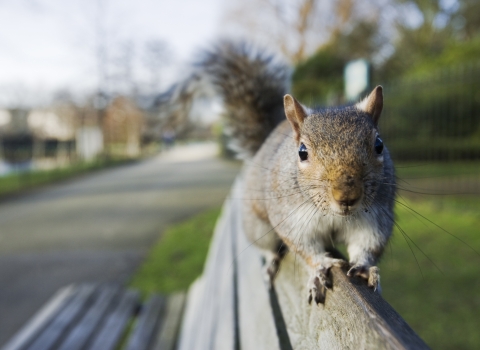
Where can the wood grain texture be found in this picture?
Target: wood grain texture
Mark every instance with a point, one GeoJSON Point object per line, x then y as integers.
{"type": "Point", "coordinates": [116, 322]}
{"type": "Point", "coordinates": [168, 331]}
{"type": "Point", "coordinates": [209, 321]}
{"type": "Point", "coordinates": [41, 319]}
{"type": "Point", "coordinates": [82, 332]}
{"type": "Point", "coordinates": [67, 317]}
{"type": "Point", "coordinates": [147, 323]}
{"type": "Point", "coordinates": [353, 316]}
{"type": "Point", "coordinates": [257, 323]}
{"type": "Point", "coordinates": [189, 327]}
{"type": "Point", "coordinates": [96, 317]}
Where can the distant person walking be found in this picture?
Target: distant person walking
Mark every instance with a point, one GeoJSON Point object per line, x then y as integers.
{"type": "Point", "coordinates": [168, 138]}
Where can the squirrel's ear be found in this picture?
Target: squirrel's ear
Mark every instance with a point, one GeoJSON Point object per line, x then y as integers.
{"type": "Point", "coordinates": [295, 113]}
{"type": "Point", "coordinates": [373, 104]}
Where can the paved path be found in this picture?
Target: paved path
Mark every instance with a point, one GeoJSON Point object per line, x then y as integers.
{"type": "Point", "coordinates": [98, 227]}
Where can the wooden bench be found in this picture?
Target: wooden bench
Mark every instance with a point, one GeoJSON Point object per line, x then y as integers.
{"type": "Point", "coordinates": [228, 307]}
{"type": "Point", "coordinates": [99, 317]}
{"type": "Point", "coordinates": [231, 307]}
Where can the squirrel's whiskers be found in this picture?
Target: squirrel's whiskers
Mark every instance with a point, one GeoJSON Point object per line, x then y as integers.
{"type": "Point", "coordinates": [313, 177]}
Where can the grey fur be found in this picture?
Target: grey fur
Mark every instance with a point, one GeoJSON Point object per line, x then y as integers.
{"type": "Point", "coordinates": [295, 207]}
{"type": "Point", "coordinates": [290, 202]}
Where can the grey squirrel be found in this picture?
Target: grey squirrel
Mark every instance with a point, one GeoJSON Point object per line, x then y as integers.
{"type": "Point", "coordinates": [314, 177]}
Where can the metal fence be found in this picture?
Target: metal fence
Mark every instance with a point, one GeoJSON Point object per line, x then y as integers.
{"type": "Point", "coordinates": [433, 121]}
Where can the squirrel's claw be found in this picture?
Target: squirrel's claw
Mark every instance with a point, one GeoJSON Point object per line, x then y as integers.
{"type": "Point", "coordinates": [320, 280]}
{"type": "Point", "coordinates": [317, 291]}
{"type": "Point", "coordinates": [318, 284]}
{"type": "Point", "coordinates": [370, 273]}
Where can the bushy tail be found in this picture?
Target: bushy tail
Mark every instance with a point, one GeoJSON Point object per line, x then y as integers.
{"type": "Point", "coordinates": [252, 85]}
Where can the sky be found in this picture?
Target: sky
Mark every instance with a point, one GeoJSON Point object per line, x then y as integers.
{"type": "Point", "coordinates": [51, 44]}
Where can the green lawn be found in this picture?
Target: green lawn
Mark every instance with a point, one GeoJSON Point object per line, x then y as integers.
{"type": "Point", "coordinates": [18, 182]}
{"type": "Point", "coordinates": [178, 257]}
{"type": "Point", "coordinates": [443, 307]}
{"type": "Point", "coordinates": [421, 170]}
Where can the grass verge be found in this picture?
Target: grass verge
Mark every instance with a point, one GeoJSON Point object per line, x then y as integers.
{"type": "Point", "coordinates": [434, 170]}
{"type": "Point", "coordinates": [18, 182]}
{"type": "Point", "coordinates": [442, 307]}
{"type": "Point", "coordinates": [178, 257]}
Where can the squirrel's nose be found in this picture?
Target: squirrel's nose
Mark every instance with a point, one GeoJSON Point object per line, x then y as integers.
{"type": "Point", "coordinates": [347, 194]}
{"type": "Point", "coordinates": [350, 202]}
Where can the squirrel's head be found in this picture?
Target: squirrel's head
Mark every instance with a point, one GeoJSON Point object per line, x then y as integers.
{"type": "Point", "coordinates": [340, 153]}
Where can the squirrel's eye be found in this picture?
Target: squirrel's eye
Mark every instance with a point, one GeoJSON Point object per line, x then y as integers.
{"type": "Point", "coordinates": [302, 152]}
{"type": "Point", "coordinates": [378, 145]}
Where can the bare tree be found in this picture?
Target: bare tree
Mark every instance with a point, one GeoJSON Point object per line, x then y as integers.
{"type": "Point", "coordinates": [298, 28]}
{"type": "Point", "coordinates": [122, 67]}
{"type": "Point", "coordinates": [294, 27]}
{"type": "Point", "coordinates": [299, 20]}
{"type": "Point", "coordinates": [157, 54]}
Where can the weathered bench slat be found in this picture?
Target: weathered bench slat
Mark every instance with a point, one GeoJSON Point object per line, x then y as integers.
{"type": "Point", "coordinates": [209, 322]}
{"type": "Point", "coordinates": [80, 335]}
{"type": "Point", "coordinates": [54, 331]}
{"type": "Point", "coordinates": [40, 320]}
{"type": "Point", "coordinates": [142, 336]}
{"type": "Point", "coordinates": [189, 326]}
{"type": "Point", "coordinates": [117, 320]}
{"type": "Point", "coordinates": [96, 317]}
{"type": "Point", "coordinates": [167, 336]}
{"type": "Point", "coordinates": [353, 317]}
{"type": "Point", "coordinates": [222, 307]}
{"type": "Point", "coordinates": [256, 317]}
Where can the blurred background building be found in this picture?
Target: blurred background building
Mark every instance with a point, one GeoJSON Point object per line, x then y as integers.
{"type": "Point", "coordinates": [115, 61]}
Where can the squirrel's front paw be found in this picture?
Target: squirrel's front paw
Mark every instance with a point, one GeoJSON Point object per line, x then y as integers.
{"type": "Point", "coordinates": [370, 273]}
{"type": "Point", "coordinates": [317, 285]}
{"type": "Point", "coordinates": [320, 281]}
